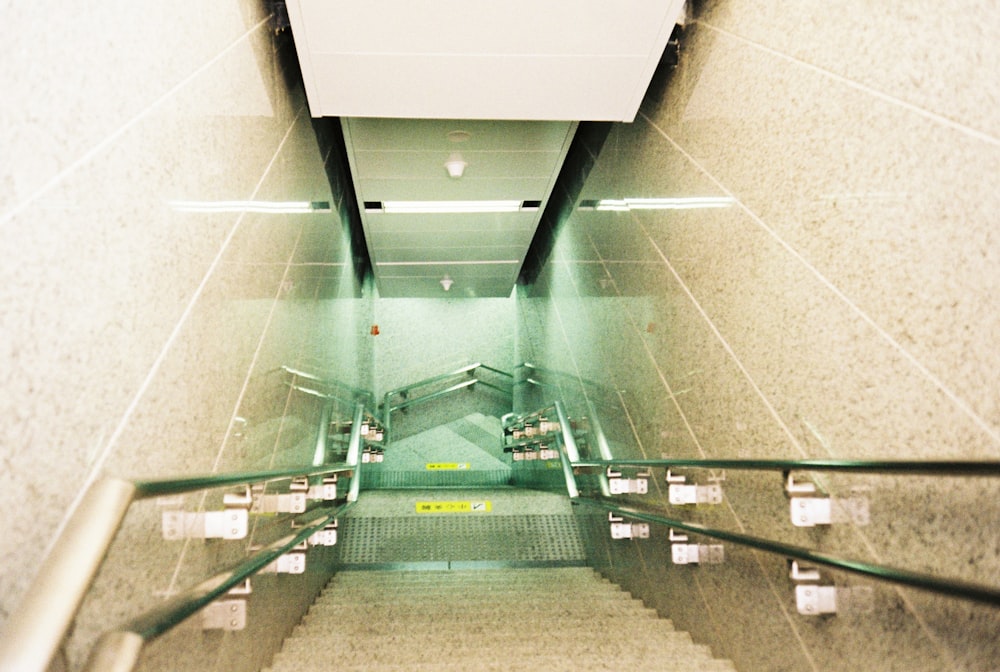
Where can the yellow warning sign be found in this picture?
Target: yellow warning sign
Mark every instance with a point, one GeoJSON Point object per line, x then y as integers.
{"type": "Point", "coordinates": [454, 507]}
{"type": "Point", "coordinates": [447, 466]}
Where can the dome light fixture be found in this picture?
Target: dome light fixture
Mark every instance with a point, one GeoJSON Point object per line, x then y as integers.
{"type": "Point", "coordinates": [447, 282]}
{"type": "Point", "coordinates": [455, 165]}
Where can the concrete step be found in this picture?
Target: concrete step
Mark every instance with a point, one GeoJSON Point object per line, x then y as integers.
{"type": "Point", "coordinates": [543, 575]}
{"type": "Point", "coordinates": [646, 624]}
{"type": "Point", "coordinates": [563, 586]}
{"type": "Point", "coordinates": [556, 620]}
{"type": "Point", "coordinates": [416, 650]}
{"type": "Point", "coordinates": [528, 612]}
{"type": "Point", "coordinates": [512, 662]}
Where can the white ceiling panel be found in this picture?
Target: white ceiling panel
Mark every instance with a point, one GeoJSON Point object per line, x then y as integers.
{"type": "Point", "coordinates": [482, 164]}
{"type": "Point", "coordinates": [480, 222]}
{"type": "Point", "coordinates": [445, 253]}
{"type": "Point", "coordinates": [373, 133]}
{"type": "Point", "coordinates": [458, 26]}
{"type": "Point", "coordinates": [447, 59]}
{"type": "Point", "coordinates": [446, 189]}
{"type": "Point", "coordinates": [480, 252]}
{"type": "Point", "coordinates": [462, 239]}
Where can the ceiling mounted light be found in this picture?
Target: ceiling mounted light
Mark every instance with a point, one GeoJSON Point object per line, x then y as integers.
{"type": "Point", "coordinates": [459, 136]}
{"type": "Point", "coordinates": [447, 282]}
{"type": "Point", "coordinates": [625, 204]}
{"type": "Point", "coordinates": [455, 165]}
{"type": "Point", "coordinates": [430, 207]}
{"type": "Point", "coordinates": [273, 207]}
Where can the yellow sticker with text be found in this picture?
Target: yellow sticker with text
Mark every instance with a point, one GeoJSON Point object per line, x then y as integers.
{"type": "Point", "coordinates": [448, 466]}
{"type": "Point", "coordinates": [454, 507]}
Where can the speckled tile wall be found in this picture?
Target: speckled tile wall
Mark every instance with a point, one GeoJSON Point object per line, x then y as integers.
{"type": "Point", "coordinates": [140, 338]}
{"type": "Point", "coordinates": [838, 300]}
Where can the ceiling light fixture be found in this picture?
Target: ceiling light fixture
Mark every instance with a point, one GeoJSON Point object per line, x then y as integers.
{"type": "Point", "coordinates": [689, 203]}
{"type": "Point", "coordinates": [447, 282]}
{"type": "Point", "coordinates": [273, 207]}
{"type": "Point", "coordinates": [434, 207]}
{"type": "Point", "coordinates": [455, 165]}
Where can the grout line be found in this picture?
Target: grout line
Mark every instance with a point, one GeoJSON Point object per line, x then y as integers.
{"type": "Point", "coordinates": [98, 463]}
{"type": "Point", "coordinates": [288, 396]}
{"type": "Point", "coordinates": [899, 102]}
{"type": "Point", "coordinates": [110, 139]}
{"type": "Point", "coordinates": [638, 440]}
{"type": "Point", "coordinates": [862, 538]}
{"type": "Point", "coordinates": [656, 366]}
{"type": "Point", "coordinates": [256, 355]}
{"type": "Point", "coordinates": [758, 557]}
{"type": "Point", "coordinates": [962, 405]}
{"type": "Point", "coordinates": [246, 383]}
{"type": "Point", "coordinates": [701, 451]}
{"type": "Point", "coordinates": [725, 344]}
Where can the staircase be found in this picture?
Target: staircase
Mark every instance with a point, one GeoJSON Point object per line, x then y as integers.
{"type": "Point", "coordinates": [446, 566]}
{"type": "Point", "coordinates": [465, 452]}
{"type": "Point", "coordinates": [554, 619]}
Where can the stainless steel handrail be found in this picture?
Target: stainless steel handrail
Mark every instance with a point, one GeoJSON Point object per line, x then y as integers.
{"type": "Point", "coordinates": [927, 467]}
{"type": "Point", "coordinates": [571, 462]}
{"type": "Point", "coordinates": [355, 393]}
{"type": "Point", "coordinates": [568, 452]}
{"type": "Point", "coordinates": [119, 649]}
{"type": "Point", "coordinates": [944, 586]}
{"type": "Point", "coordinates": [39, 624]}
{"type": "Point", "coordinates": [388, 407]}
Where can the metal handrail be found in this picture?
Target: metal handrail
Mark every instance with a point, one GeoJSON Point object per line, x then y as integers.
{"type": "Point", "coordinates": [433, 395]}
{"type": "Point", "coordinates": [431, 380]}
{"type": "Point", "coordinates": [929, 467]}
{"type": "Point", "coordinates": [568, 452]}
{"type": "Point", "coordinates": [388, 407]}
{"type": "Point", "coordinates": [40, 623]}
{"type": "Point", "coordinates": [119, 649]}
{"type": "Point", "coordinates": [356, 394]}
{"type": "Point", "coordinates": [944, 586]}
{"type": "Point", "coordinates": [554, 372]}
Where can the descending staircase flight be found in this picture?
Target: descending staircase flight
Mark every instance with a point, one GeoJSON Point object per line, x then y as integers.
{"type": "Point", "coordinates": [564, 619]}
{"type": "Point", "coordinates": [506, 589]}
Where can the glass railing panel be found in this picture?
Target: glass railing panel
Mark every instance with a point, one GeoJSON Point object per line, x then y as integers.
{"type": "Point", "coordinates": [942, 526]}
{"type": "Point", "coordinates": [477, 388]}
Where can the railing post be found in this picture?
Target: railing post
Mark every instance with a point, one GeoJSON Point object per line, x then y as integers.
{"type": "Point", "coordinates": [569, 453]}
{"type": "Point", "coordinates": [319, 456]}
{"type": "Point", "coordinates": [602, 446]}
{"type": "Point", "coordinates": [387, 418]}
{"type": "Point", "coordinates": [38, 626]}
{"type": "Point", "coordinates": [354, 452]}
{"type": "Point", "coordinates": [115, 651]}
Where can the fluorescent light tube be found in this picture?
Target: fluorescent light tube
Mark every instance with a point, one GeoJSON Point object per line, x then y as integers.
{"type": "Point", "coordinates": [275, 207]}
{"type": "Point", "coordinates": [434, 207]}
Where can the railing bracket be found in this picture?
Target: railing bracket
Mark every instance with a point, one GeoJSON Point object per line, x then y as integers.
{"type": "Point", "coordinates": [622, 530]}
{"type": "Point", "coordinates": [680, 493]}
{"type": "Point", "coordinates": [292, 502]}
{"type": "Point", "coordinates": [227, 524]}
{"type": "Point", "coordinates": [694, 554]}
{"type": "Point", "coordinates": [814, 600]}
{"type": "Point", "coordinates": [325, 537]}
{"type": "Point", "coordinates": [802, 573]}
{"type": "Point", "coordinates": [813, 511]}
{"type": "Point", "coordinates": [224, 615]}
{"type": "Point", "coordinates": [293, 562]}
{"type": "Point", "coordinates": [628, 486]}
{"type": "Point", "coordinates": [793, 487]}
